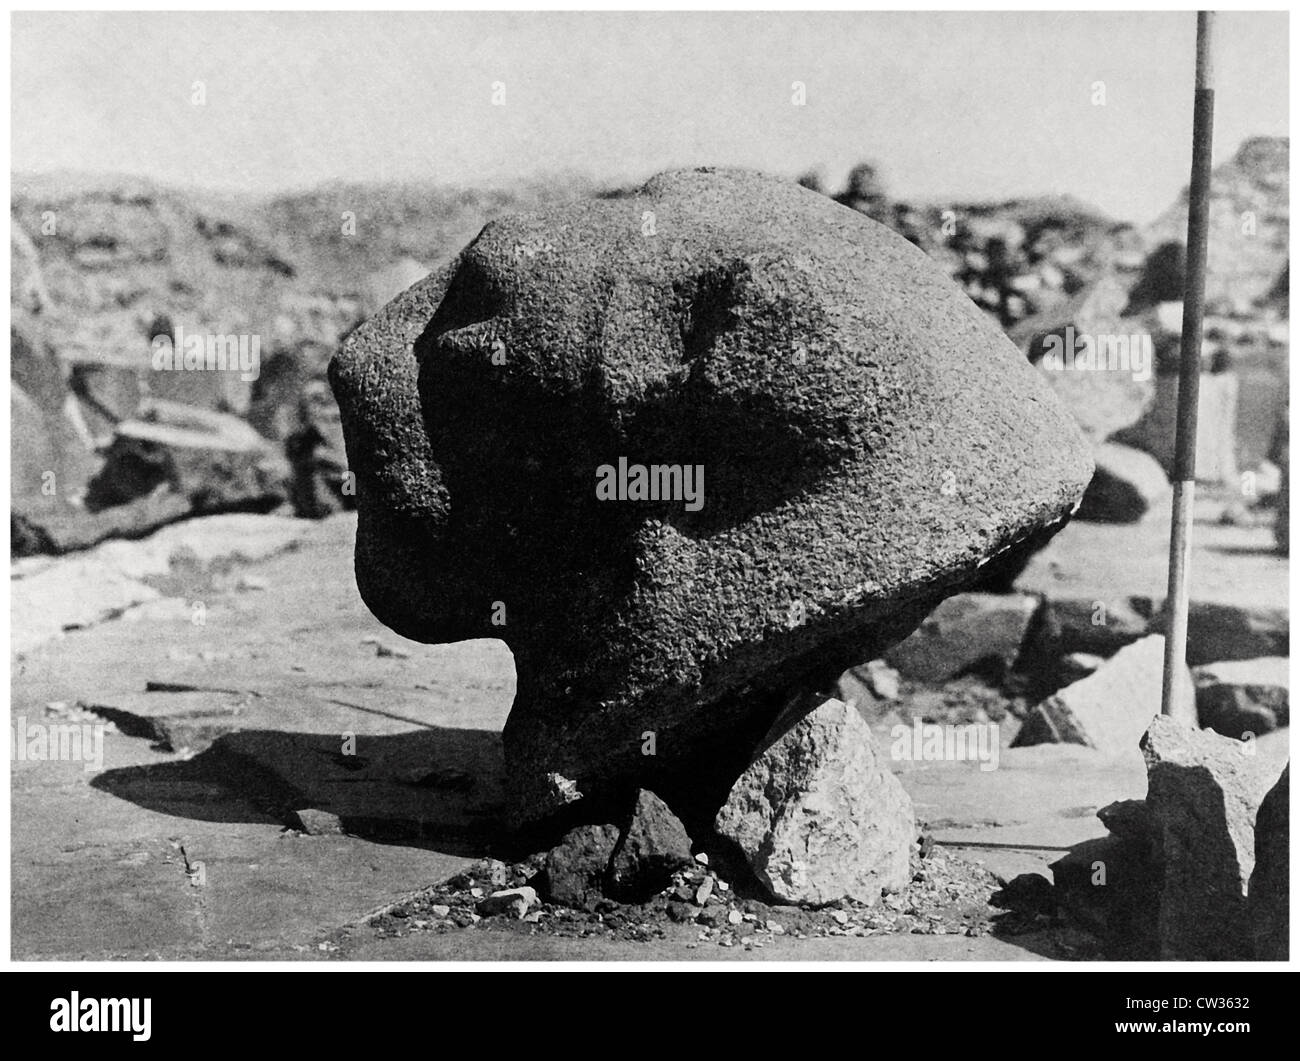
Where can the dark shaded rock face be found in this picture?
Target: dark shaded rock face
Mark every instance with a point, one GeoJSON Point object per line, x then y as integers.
{"type": "Point", "coordinates": [652, 846]}
{"type": "Point", "coordinates": [1204, 793]}
{"type": "Point", "coordinates": [575, 868]}
{"type": "Point", "coordinates": [868, 441]}
{"type": "Point", "coordinates": [1270, 882]}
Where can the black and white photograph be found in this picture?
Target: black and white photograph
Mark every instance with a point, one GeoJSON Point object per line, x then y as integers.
{"type": "Point", "coordinates": [692, 489]}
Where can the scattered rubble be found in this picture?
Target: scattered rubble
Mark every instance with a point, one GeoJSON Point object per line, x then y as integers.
{"type": "Point", "coordinates": [942, 894]}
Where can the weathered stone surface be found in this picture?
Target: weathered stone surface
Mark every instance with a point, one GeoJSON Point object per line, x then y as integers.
{"type": "Point", "coordinates": [966, 632]}
{"type": "Point", "coordinates": [1203, 792]}
{"type": "Point", "coordinates": [1111, 708]}
{"type": "Point", "coordinates": [1269, 896]}
{"type": "Point", "coordinates": [1218, 399]}
{"type": "Point", "coordinates": [651, 847]}
{"type": "Point", "coordinates": [1127, 486]}
{"type": "Point", "coordinates": [50, 448]}
{"type": "Point", "coordinates": [815, 365]}
{"type": "Point", "coordinates": [575, 868]}
{"type": "Point", "coordinates": [75, 593]}
{"type": "Point", "coordinates": [818, 816]}
{"type": "Point", "coordinates": [1235, 697]}
{"type": "Point", "coordinates": [188, 721]}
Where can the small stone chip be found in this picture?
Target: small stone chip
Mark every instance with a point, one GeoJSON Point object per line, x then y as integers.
{"type": "Point", "coordinates": [703, 892]}
{"type": "Point", "coordinates": [515, 901]}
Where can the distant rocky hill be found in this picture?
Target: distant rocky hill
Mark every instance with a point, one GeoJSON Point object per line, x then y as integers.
{"type": "Point", "coordinates": [118, 255]}
{"type": "Point", "coordinates": [1250, 224]}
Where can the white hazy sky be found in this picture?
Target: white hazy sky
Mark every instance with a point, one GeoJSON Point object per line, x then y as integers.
{"type": "Point", "coordinates": [968, 105]}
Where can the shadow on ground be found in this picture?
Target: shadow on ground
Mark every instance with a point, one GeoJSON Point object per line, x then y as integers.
{"type": "Point", "coordinates": [436, 788]}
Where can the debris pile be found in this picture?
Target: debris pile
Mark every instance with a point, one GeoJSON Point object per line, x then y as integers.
{"type": "Point", "coordinates": [943, 894]}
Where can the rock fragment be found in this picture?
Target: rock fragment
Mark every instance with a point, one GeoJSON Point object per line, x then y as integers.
{"type": "Point", "coordinates": [1204, 793]}
{"type": "Point", "coordinates": [1127, 486]}
{"type": "Point", "coordinates": [703, 892]}
{"type": "Point", "coordinates": [873, 688]}
{"type": "Point", "coordinates": [1236, 697]}
{"type": "Point", "coordinates": [1269, 895]}
{"type": "Point", "coordinates": [1098, 626]}
{"type": "Point", "coordinates": [575, 868]}
{"type": "Point", "coordinates": [653, 845]}
{"type": "Point", "coordinates": [213, 460]}
{"type": "Point", "coordinates": [1219, 630]}
{"type": "Point", "coordinates": [514, 901]}
{"type": "Point", "coordinates": [966, 632]}
{"type": "Point", "coordinates": [316, 822]}
{"type": "Point", "coordinates": [817, 815]}
{"type": "Point", "coordinates": [1111, 708]}
{"type": "Point", "coordinates": [1073, 345]}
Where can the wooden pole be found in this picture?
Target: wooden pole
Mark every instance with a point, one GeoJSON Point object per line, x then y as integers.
{"type": "Point", "coordinates": [1189, 368]}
